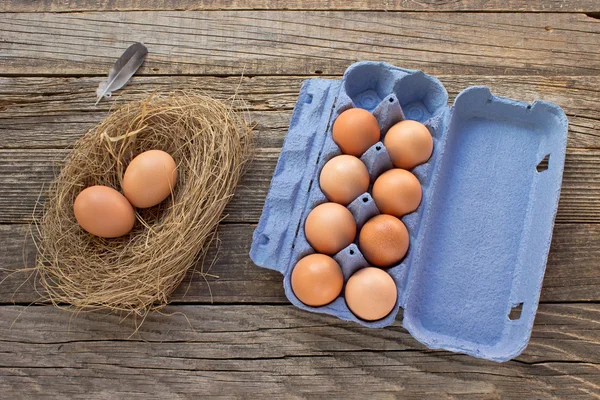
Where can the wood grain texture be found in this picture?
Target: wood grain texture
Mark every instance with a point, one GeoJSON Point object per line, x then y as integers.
{"type": "Point", "coordinates": [25, 174]}
{"type": "Point", "coordinates": [237, 336]}
{"type": "Point", "coordinates": [366, 5]}
{"type": "Point", "coordinates": [281, 352]}
{"type": "Point", "coordinates": [53, 112]}
{"type": "Point", "coordinates": [298, 42]}
{"type": "Point", "coordinates": [571, 273]}
{"type": "Point", "coordinates": [41, 117]}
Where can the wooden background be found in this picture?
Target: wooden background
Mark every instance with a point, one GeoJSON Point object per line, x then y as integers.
{"type": "Point", "coordinates": [247, 341]}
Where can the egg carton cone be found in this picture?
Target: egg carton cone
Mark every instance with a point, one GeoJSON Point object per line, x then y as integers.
{"type": "Point", "coordinates": [471, 279]}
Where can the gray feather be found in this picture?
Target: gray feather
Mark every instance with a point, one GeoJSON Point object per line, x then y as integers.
{"type": "Point", "coordinates": [123, 70]}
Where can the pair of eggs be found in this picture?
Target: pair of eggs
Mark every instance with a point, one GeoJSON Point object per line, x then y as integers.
{"type": "Point", "coordinates": [148, 180]}
{"type": "Point", "coordinates": [345, 177]}
{"type": "Point", "coordinates": [370, 292]}
{"type": "Point", "coordinates": [383, 239]}
{"type": "Point", "coordinates": [408, 142]}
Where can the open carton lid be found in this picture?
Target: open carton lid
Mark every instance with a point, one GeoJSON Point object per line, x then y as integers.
{"type": "Point", "coordinates": [471, 280]}
{"type": "Point", "coordinates": [475, 278]}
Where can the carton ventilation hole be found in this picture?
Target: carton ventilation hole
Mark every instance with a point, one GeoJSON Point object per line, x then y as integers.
{"type": "Point", "coordinates": [528, 107]}
{"type": "Point", "coordinates": [263, 240]}
{"type": "Point", "coordinates": [391, 100]}
{"type": "Point", "coordinates": [543, 165]}
{"type": "Point", "coordinates": [377, 148]}
{"type": "Point", "coordinates": [351, 252]}
{"type": "Point", "coordinates": [365, 199]}
{"type": "Point", "coordinates": [515, 312]}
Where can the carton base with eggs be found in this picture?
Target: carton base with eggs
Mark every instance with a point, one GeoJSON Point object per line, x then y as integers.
{"type": "Point", "coordinates": [480, 238]}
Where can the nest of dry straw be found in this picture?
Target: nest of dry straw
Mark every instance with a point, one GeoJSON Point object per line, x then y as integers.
{"type": "Point", "coordinates": [210, 143]}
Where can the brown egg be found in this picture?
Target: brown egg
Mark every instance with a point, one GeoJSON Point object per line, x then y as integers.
{"type": "Point", "coordinates": [383, 240]}
{"type": "Point", "coordinates": [397, 192]}
{"type": "Point", "coordinates": [355, 130]}
{"type": "Point", "coordinates": [317, 280]}
{"type": "Point", "coordinates": [104, 212]}
{"type": "Point", "coordinates": [149, 178]}
{"type": "Point", "coordinates": [329, 228]}
{"type": "Point", "coordinates": [371, 294]}
{"type": "Point", "coordinates": [343, 179]}
{"type": "Point", "coordinates": [409, 144]}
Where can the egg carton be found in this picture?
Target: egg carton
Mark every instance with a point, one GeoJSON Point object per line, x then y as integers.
{"type": "Point", "coordinates": [479, 241]}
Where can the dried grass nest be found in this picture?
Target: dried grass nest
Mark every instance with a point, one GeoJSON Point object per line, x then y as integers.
{"type": "Point", "coordinates": [210, 143]}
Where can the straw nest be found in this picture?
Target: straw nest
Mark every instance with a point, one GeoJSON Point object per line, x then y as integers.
{"type": "Point", "coordinates": [135, 273]}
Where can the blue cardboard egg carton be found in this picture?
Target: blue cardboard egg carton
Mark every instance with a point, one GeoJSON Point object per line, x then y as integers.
{"type": "Point", "coordinates": [479, 241]}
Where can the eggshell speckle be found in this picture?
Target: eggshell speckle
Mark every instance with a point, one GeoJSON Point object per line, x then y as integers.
{"type": "Point", "coordinates": [104, 212]}
{"type": "Point", "coordinates": [317, 280]}
{"type": "Point", "coordinates": [355, 130]}
{"type": "Point", "coordinates": [383, 240]}
{"type": "Point", "coordinates": [371, 294]}
{"type": "Point", "coordinates": [149, 178]}
{"type": "Point", "coordinates": [408, 143]}
{"type": "Point", "coordinates": [343, 179]}
{"type": "Point", "coordinates": [397, 192]}
{"type": "Point", "coordinates": [329, 228]}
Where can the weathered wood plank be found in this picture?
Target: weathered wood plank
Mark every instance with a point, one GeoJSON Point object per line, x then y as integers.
{"type": "Point", "coordinates": [43, 114]}
{"type": "Point", "coordinates": [366, 5]}
{"type": "Point", "coordinates": [571, 274]}
{"type": "Point", "coordinates": [25, 173]}
{"type": "Point", "coordinates": [298, 42]}
{"type": "Point", "coordinates": [280, 351]}
{"type": "Point", "coordinates": [53, 112]}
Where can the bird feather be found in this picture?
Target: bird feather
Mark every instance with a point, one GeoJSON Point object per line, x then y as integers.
{"type": "Point", "coordinates": [123, 70]}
